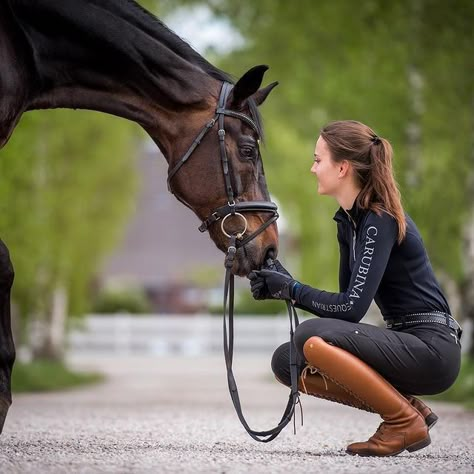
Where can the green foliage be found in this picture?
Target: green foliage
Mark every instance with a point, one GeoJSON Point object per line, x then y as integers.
{"type": "Point", "coordinates": [42, 376]}
{"type": "Point", "coordinates": [67, 186]}
{"type": "Point", "coordinates": [133, 301]}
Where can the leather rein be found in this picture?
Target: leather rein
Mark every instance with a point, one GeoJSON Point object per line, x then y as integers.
{"type": "Point", "coordinates": [237, 240]}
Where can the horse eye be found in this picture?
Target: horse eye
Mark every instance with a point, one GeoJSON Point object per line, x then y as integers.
{"type": "Point", "coordinates": [247, 152]}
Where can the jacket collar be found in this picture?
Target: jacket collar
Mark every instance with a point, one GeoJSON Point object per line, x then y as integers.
{"type": "Point", "coordinates": [352, 215]}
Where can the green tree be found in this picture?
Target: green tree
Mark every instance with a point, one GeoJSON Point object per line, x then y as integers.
{"type": "Point", "coordinates": [67, 186]}
{"type": "Point", "coordinates": [403, 67]}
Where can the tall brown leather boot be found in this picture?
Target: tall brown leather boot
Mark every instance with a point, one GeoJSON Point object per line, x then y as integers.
{"type": "Point", "coordinates": [403, 426]}
{"type": "Point", "coordinates": [313, 383]}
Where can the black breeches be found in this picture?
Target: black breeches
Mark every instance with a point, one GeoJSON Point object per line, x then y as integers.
{"type": "Point", "coordinates": [420, 360]}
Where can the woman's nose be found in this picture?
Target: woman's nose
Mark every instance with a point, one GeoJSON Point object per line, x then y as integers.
{"type": "Point", "coordinates": [313, 168]}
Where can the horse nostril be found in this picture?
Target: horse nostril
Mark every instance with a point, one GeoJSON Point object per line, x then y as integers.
{"type": "Point", "coordinates": [270, 253]}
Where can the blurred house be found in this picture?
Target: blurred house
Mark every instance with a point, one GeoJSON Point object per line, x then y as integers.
{"type": "Point", "coordinates": [162, 251]}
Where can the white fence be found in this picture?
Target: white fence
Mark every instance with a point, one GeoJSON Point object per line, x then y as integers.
{"type": "Point", "coordinates": [155, 334]}
{"type": "Point", "coordinates": [193, 335]}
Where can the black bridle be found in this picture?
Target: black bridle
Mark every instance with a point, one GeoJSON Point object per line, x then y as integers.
{"type": "Point", "coordinates": [232, 207]}
{"type": "Point", "coordinates": [236, 240]}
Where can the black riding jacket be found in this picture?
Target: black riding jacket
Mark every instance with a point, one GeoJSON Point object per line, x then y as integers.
{"type": "Point", "coordinates": [374, 266]}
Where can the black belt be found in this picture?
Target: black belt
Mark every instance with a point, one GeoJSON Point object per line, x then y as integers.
{"type": "Point", "coordinates": [417, 318]}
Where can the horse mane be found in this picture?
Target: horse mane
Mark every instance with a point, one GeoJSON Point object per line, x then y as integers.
{"type": "Point", "coordinates": [111, 36]}
{"type": "Point", "coordinates": [182, 47]}
{"type": "Point", "coordinates": [95, 42]}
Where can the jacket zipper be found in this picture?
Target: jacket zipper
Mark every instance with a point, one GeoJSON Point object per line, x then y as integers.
{"type": "Point", "coordinates": [354, 245]}
{"type": "Point", "coordinates": [354, 237]}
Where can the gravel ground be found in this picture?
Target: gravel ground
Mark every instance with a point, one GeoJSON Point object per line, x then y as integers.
{"type": "Point", "coordinates": [167, 414]}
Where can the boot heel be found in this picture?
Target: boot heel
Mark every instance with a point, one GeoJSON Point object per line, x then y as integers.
{"type": "Point", "coordinates": [431, 420]}
{"type": "Point", "coordinates": [420, 445]}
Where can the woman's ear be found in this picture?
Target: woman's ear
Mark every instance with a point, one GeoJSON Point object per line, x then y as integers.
{"type": "Point", "coordinates": [344, 169]}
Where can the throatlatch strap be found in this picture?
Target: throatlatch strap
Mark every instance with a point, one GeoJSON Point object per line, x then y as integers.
{"type": "Point", "coordinates": [268, 435]}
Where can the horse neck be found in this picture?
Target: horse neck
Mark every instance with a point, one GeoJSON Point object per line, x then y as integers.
{"type": "Point", "coordinates": [15, 60]}
{"type": "Point", "coordinates": [112, 56]}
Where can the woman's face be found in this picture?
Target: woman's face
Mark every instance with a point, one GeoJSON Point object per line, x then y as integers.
{"type": "Point", "coordinates": [326, 170]}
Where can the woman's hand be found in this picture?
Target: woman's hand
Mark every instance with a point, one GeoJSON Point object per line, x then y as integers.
{"type": "Point", "coordinates": [279, 268]}
{"type": "Point", "coordinates": [258, 286]}
{"type": "Point", "coordinates": [279, 284]}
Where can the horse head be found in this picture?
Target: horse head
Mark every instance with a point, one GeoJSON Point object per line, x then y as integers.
{"type": "Point", "coordinates": [226, 174]}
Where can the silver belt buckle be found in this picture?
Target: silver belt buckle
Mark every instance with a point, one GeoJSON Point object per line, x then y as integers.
{"type": "Point", "coordinates": [458, 329]}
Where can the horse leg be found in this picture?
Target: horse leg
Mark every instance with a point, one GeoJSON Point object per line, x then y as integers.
{"type": "Point", "coordinates": [7, 347]}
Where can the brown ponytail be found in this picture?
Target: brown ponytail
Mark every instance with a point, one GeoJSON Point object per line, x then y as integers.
{"type": "Point", "coordinates": [371, 159]}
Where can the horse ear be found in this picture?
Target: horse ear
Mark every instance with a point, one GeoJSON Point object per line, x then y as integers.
{"type": "Point", "coordinates": [262, 94]}
{"type": "Point", "coordinates": [247, 85]}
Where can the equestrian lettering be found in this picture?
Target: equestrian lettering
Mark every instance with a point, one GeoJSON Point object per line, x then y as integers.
{"type": "Point", "coordinates": [365, 262]}
{"type": "Point", "coordinates": [332, 307]}
{"type": "Point", "coordinates": [360, 278]}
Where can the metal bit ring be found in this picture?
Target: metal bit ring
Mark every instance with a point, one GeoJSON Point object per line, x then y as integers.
{"type": "Point", "coordinates": [239, 234]}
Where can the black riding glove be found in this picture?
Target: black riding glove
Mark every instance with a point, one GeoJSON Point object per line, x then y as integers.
{"type": "Point", "coordinates": [278, 267]}
{"type": "Point", "coordinates": [258, 286]}
{"type": "Point", "coordinates": [279, 285]}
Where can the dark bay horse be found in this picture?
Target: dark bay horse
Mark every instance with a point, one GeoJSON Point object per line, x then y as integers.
{"type": "Point", "coordinates": [115, 57]}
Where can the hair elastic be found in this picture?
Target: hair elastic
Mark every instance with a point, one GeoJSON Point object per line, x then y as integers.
{"type": "Point", "coordinates": [375, 139]}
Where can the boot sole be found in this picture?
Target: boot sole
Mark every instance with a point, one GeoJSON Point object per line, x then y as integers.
{"type": "Point", "coordinates": [413, 447]}
{"type": "Point", "coordinates": [419, 445]}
